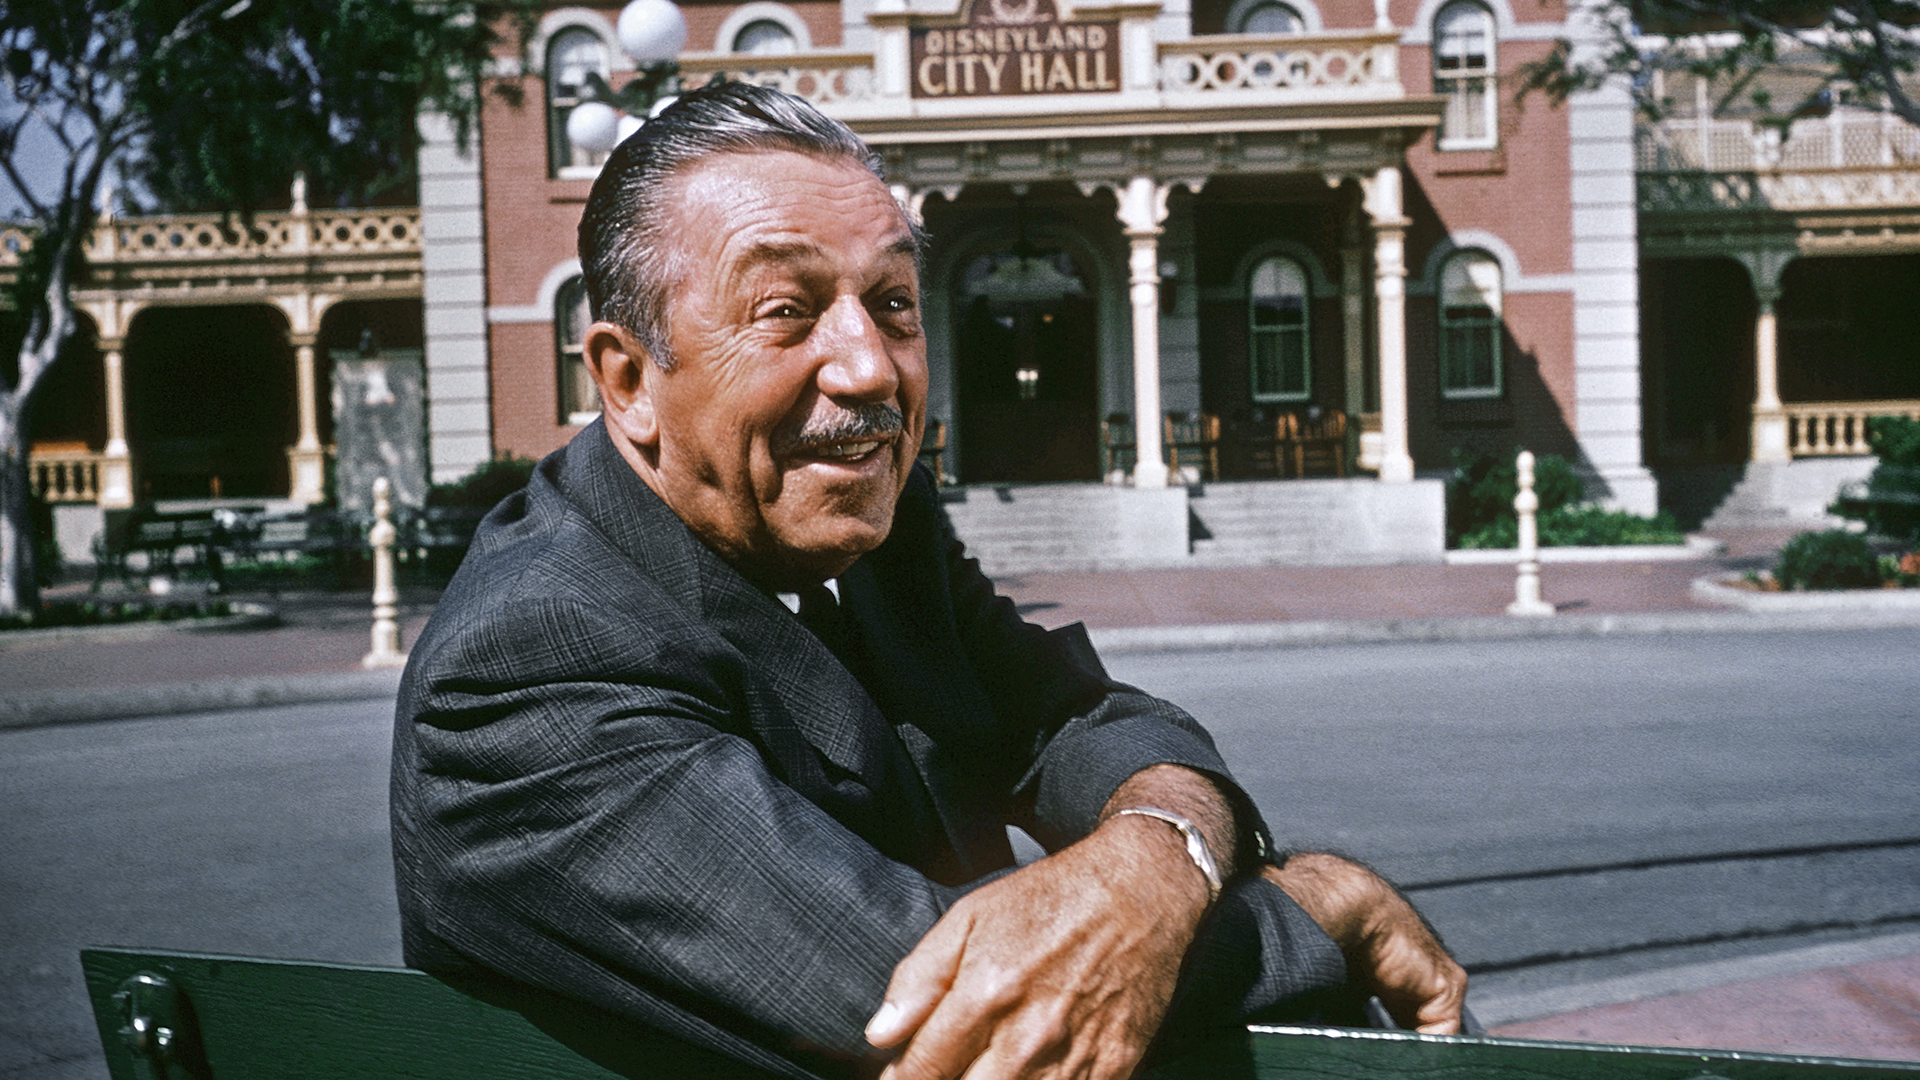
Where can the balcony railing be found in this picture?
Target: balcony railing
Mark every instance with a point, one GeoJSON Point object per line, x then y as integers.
{"type": "Point", "coordinates": [206, 237]}
{"type": "Point", "coordinates": [65, 475]}
{"type": "Point", "coordinates": [822, 78]}
{"type": "Point", "coordinates": [1845, 161]}
{"type": "Point", "coordinates": [1835, 428]}
{"type": "Point", "coordinates": [1223, 66]}
{"type": "Point", "coordinates": [1840, 141]}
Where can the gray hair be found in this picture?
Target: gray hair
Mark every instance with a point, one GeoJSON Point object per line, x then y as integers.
{"type": "Point", "coordinates": [629, 262]}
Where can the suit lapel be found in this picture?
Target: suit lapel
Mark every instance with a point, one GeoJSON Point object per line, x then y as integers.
{"type": "Point", "coordinates": [805, 703]}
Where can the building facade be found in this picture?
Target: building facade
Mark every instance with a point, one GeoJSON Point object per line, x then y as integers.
{"type": "Point", "coordinates": [1320, 244]}
{"type": "Point", "coordinates": [1240, 215]}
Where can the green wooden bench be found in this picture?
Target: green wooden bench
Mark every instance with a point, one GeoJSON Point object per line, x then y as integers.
{"type": "Point", "coordinates": [159, 538]}
{"type": "Point", "coordinates": [170, 1015]}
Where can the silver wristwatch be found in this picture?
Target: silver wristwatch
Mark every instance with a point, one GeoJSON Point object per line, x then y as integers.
{"type": "Point", "coordinates": [1196, 844]}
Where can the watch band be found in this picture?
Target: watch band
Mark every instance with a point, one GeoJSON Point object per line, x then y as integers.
{"type": "Point", "coordinates": [1196, 844]}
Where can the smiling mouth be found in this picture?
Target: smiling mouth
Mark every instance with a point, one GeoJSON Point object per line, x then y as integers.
{"type": "Point", "coordinates": [843, 451]}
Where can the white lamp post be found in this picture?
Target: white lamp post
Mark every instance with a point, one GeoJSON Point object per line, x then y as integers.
{"type": "Point", "coordinates": [652, 32]}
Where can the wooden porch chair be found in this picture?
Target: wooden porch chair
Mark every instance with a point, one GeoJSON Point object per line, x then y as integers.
{"type": "Point", "coordinates": [1195, 438]}
{"type": "Point", "coordinates": [1313, 442]}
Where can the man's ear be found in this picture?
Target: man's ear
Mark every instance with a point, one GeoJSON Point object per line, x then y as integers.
{"type": "Point", "coordinates": [625, 375]}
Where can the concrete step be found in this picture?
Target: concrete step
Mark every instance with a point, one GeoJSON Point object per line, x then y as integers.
{"type": "Point", "coordinates": [1301, 522]}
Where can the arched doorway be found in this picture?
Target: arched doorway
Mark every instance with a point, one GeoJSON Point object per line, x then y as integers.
{"type": "Point", "coordinates": [1027, 366]}
{"type": "Point", "coordinates": [211, 402]}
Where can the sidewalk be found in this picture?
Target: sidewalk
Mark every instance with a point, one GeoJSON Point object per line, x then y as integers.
{"type": "Point", "coordinates": [1860, 1003]}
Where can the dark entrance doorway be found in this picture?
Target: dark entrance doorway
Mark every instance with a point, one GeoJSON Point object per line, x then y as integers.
{"type": "Point", "coordinates": [211, 402]}
{"type": "Point", "coordinates": [1027, 368]}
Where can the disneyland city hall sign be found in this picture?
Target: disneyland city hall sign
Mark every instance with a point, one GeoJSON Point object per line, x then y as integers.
{"type": "Point", "coordinates": [1005, 48]}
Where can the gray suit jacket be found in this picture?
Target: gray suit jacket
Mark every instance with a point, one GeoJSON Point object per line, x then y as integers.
{"type": "Point", "coordinates": [625, 775]}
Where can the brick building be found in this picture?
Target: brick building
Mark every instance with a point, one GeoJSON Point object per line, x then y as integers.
{"type": "Point", "coordinates": [1313, 237]}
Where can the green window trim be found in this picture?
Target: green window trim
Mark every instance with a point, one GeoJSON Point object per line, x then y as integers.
{"type": "Point", "coordinates": [1471, 299]}
{"type": "Point", "coordinates": [1279, 332]}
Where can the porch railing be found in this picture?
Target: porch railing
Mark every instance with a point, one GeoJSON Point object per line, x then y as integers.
{"type": "Point", "coordinates": [65, 476]}
{"type": "Point", "coordinates": [821, 78]}
{"type": "Point", "coordinates": [1220, 66]}
{"type": "Point", "coordinates": [1835, 428]}
{"type": "Point", "coordinates": [1840, 141]}
{"type": "Point", "coordinates": [190, 237]}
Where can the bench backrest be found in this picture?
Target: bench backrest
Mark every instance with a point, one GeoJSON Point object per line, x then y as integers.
{"type": "Point", "coordinates": [287, 1020]}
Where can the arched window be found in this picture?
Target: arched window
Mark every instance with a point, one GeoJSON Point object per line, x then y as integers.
{"type": "Point", "coordinates": [1470, 328]}
{"type": "Point", "coordinates": [1269, 17]}
{"type": "Point", "coordinates": [765, 37]}
{"type": "Point", "coordinates": [575, 56]}
{"type": "Point", "coordinates": [1277, 332]}
{"type": "Point", "coordinates": [1463, 73]}
{"type": "Point", "coordinates": [579, 399]}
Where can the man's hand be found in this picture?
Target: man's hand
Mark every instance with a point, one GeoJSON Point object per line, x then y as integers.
{"type": "Point", "coordinates": [1390, 949]}
{"type": "Point", "coordinates": [1064, 968]}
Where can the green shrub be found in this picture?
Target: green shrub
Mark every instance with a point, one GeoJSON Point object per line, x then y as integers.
{"type": "Point", "coordinates": [1483, 487]}
{"type": "Point", "coordinates": [486, 485]}
{"type": "Point", "coordinates": [1836, 559]}
{"type": "Point", "coordinates": [1581, 525]}
{"type": "Point", "coordinates": [1889, 502]}
{"type": "Point", "coordinates": [92, 613]}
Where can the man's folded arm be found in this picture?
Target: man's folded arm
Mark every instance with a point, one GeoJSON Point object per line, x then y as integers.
{"type": "Point", "coordinates": [610, 841]}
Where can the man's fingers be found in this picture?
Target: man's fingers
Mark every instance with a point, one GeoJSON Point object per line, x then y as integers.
{"type": "Point", "coordinates": [1423, 987]}
{"type": "Point", "coordinates": [946, 1042]}
{"type": "Point", "coordinates": [919, 982]}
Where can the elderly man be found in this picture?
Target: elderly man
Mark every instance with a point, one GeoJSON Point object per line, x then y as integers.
{"type": "Point", "coordinates": [718, 731]}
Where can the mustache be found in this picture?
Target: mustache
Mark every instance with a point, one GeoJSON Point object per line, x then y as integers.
{"type": "Point", "coordinates": [870, 421]}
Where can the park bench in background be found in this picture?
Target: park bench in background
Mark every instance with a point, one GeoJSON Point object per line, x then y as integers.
{"type": "Point", "coordinates": [169, 1015]}
{"type": "Point", "coordinates": [165, 544]}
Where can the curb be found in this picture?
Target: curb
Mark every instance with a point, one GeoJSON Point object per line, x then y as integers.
{"type": "Point", "coordinates": [1696, 547]}
{"type": "Point", "coordinates": [170, 699]}
{"type": "Point", "coordinates": [1279, 635]}
{"type": "Point", "coordinates": [1716, 590]}
{"type": "Point", "coordinates": [1834, 611]}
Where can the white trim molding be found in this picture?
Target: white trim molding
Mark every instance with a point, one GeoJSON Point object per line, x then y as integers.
{"type": "Point", "coordinates": [587, 19]}
{"type": "Point", "coordinates": [1505, 26]}
{"type": "Point", "coordinates": [1309, 14]}
{"type": "Point", "coordinates": [541, 310]}
{"type": "Point", "coordinates": [1513, 278]}
{"type": "Point", "coordinates": [762, 11]}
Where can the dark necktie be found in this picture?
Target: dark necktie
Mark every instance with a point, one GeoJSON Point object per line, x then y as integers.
{"type": "Point", "coordinates": [821, 613]}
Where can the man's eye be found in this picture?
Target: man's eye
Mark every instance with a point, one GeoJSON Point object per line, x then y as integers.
{"type": "Point", "coordinates": [897, 304]}
{"type": "Point", "coordinates": [783, 309]}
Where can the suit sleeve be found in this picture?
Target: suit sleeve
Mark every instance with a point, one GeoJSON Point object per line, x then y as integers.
{"type": "Point", "coordinates": [608, 838]}
{"type": "Point", "coordinates": [1258, 949]}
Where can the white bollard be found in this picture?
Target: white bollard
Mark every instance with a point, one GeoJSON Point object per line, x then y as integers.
{"type": "Point", "coordinates": [1526, 587]}
{"type": "Point", "coordinates": [386, 628]}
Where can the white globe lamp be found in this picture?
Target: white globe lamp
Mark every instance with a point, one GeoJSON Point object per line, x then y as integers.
{"type": "Point", "coordinates": [594, 126]}
{"type": "Point", "coordinates": [652, 31]}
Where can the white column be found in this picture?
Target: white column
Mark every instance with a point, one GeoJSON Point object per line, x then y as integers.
{"type": "Point", "coordinates": [116, 471]}
{"type": "Point", "coordinates": [307, 459]}
{"type": "Point", "coordinates": [1390, 295]}
{"type": "Point", "coordinates": [1769, 420]}
{"type": "Point", "coordinates": [1143, 206]}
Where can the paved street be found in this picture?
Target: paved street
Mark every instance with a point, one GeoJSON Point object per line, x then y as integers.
{"type": "Point", "coordinates": [1638, 761]}
{"type": "Point", "coordinates": [1643, 760]}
